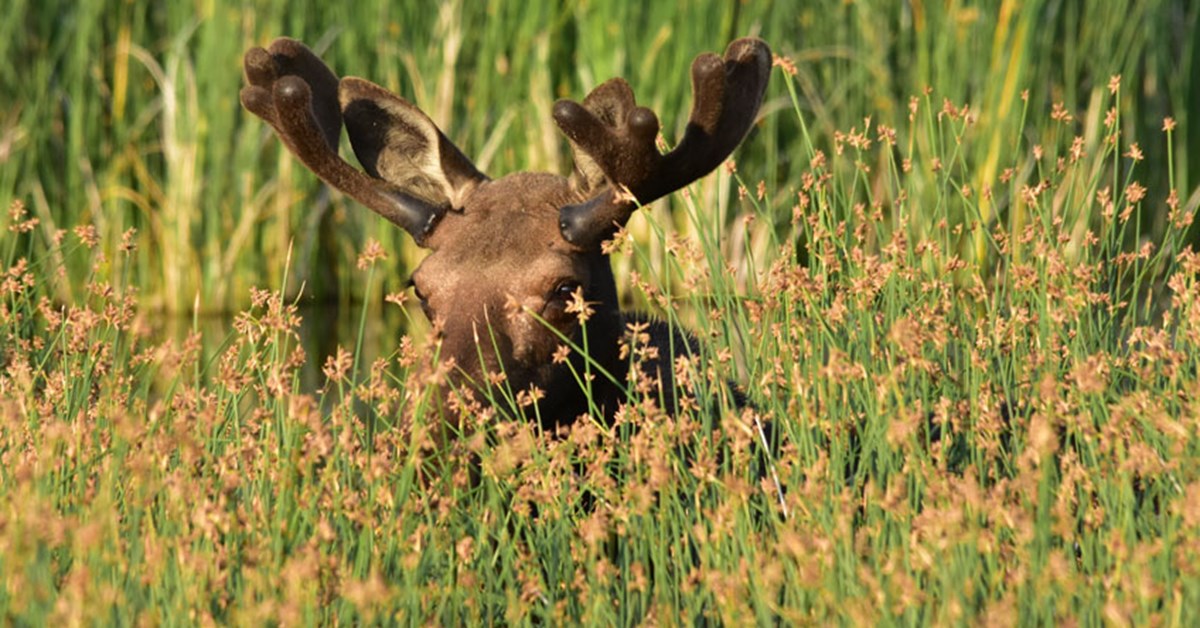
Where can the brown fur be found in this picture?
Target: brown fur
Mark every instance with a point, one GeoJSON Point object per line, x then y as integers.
{"type": "Point", "coordinates": [510, 256]}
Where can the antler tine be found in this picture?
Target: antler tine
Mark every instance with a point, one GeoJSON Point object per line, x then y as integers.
{"type": "Point", "coordinates": [610, 133]}
{"type": "Point", "coordinates": [297, 94]}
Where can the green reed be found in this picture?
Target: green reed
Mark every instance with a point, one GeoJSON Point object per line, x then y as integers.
{"type": "Point", "coordinates": [969, 325]}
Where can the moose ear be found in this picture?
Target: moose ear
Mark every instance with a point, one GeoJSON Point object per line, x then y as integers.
{"type": "Point", "coordinates": [398, 143]}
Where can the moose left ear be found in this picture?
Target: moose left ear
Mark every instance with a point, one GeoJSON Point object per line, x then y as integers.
{"type": "Point", "coordinates": [398, 143]}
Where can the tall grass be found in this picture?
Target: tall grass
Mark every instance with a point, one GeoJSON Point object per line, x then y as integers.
{"type": "Point", "coordinates": [126, 115]}
{"type": "Point", "coordinates": [971, 324]}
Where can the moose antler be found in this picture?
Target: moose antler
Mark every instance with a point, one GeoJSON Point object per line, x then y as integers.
{"type": "Point", "coordinates": [613, 139]}
{"type": "Point", "coordinates": [301, 98]}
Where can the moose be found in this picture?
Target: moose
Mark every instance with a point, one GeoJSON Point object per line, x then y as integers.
{"type": "Point", "coordinates": [513, 260]}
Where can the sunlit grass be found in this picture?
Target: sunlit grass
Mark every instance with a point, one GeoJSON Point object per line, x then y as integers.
{"type": "Point", "coordinates": [126, 115]}
{"type": "Point", "coordinates": [971, 325]}
{"type": "Point", "coordinates": [1008, 435]}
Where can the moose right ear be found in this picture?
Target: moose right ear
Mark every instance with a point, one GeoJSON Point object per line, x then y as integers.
{"type": "Point", "coordinates": [398, 143]}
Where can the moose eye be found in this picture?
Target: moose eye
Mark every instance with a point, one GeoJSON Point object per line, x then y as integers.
{"type": "Point", "coordinates": [564, 291]}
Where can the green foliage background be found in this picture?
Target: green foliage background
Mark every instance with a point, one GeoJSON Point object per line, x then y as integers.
{"type": "Point", "coordinates": [951, 270]}
{"type": "Point", "coordinates": [125, 114]}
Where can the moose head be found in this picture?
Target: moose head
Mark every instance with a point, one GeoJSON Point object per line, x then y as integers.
{"type": "Point", "coordinates": [510, 257]}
